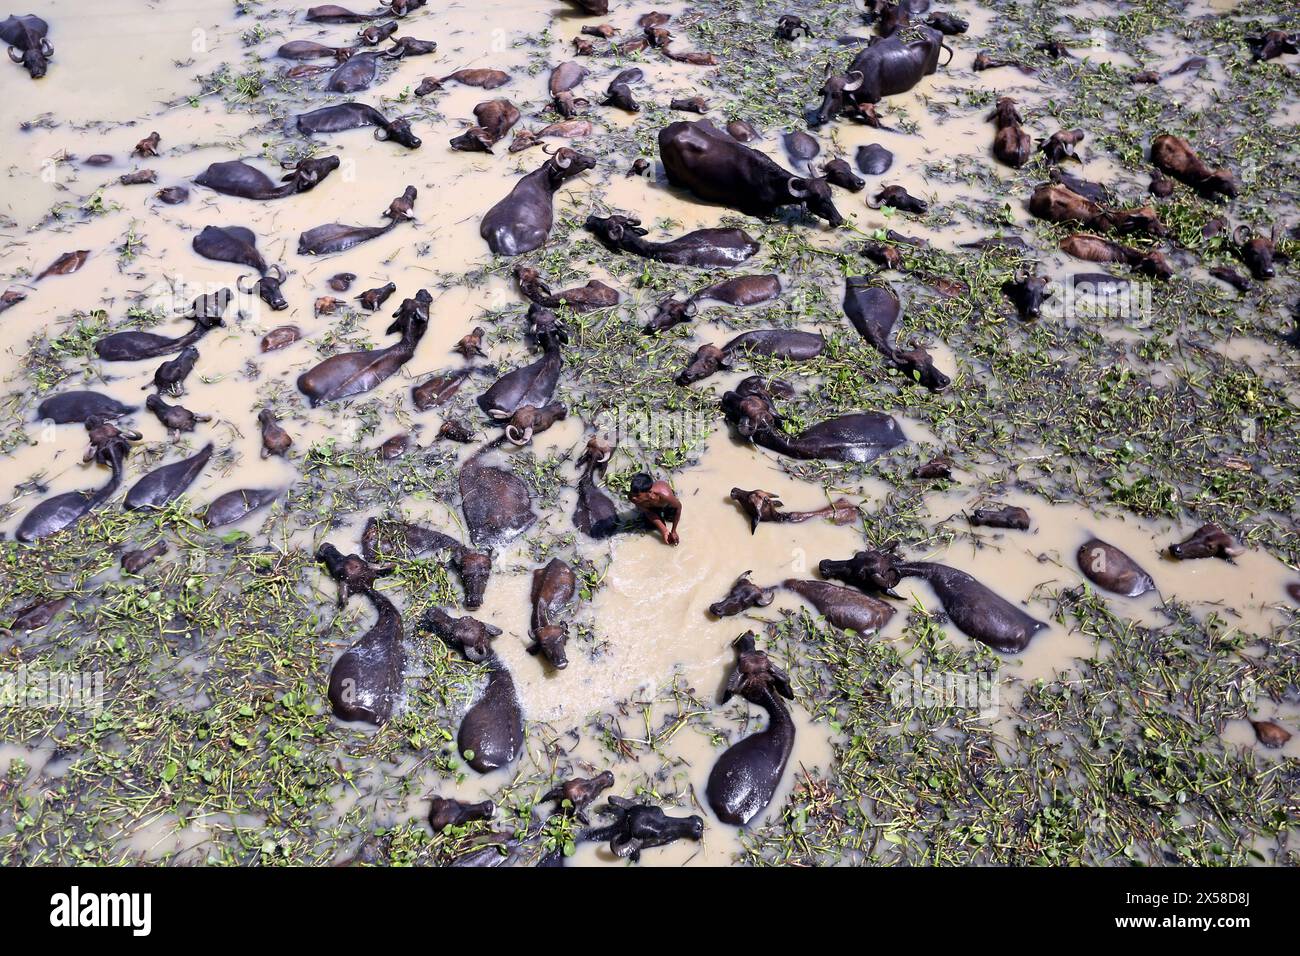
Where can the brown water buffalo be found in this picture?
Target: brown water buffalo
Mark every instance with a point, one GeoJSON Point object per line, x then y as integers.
{"type": "Point", "coordinates": [1175, 156]}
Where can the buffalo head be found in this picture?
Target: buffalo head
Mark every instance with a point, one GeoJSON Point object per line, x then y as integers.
{"type": "Point", "coordinates": [399, 131]}
{"type": "Point", "coordinates": [306, 174]}
{"type": "Point", "coordinates": [833, 91]}
{"type": "Point", "coordinates": [565, 163]}
{"type": "Point", "coordinates": [1027, 294]}
{"type": "Point", "coordinates": [267, 288]}
{"type": "Point", "coordinates": [35, 59]}
{"type": "Point", "coordinates": [611, 230]}
{"type": "Point", "coordinates": [1257, 252]}
{"type": "Point", "coordinates": [866, 570]}
{"type": "Point", "coordinates": [814, 193]}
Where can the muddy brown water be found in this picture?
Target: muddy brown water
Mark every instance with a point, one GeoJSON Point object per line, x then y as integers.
{"type": "Point", "coordinates": [650, 611]}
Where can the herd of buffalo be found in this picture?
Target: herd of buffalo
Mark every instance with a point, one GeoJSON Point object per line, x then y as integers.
{"type": "Point", "coordinates": [717, 166]}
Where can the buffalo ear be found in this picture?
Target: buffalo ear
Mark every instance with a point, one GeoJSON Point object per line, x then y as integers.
{"type": "Point", "coordinates": [850, 86]}
{"type": "Point", "coordinates": [798, 187]}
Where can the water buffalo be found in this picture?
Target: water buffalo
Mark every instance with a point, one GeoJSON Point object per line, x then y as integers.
{"type": "Point", "coordinates": [763, 506]}
{"type": "Point", "coordinates": [28, 43]}
{"type": "Point", "coordinates": [531, 384]}
{"type": "Point", "coordinates": [522, 220]}
{"type": "Point", "coordinates": [594, 295]}
{"type": "Point", "coordinates": [495, 118]}
{"type": "Point", "coordinates": [170, 376]}
{"type": "Point", "coordinates": [873, 308]}
{"type": "Point", "coordinates": [976, 610]}
{"type": "Point", "coordinates": [483, 79]}
{"type": "Point", "coordinates": [491, 733]}
{"type": "Point", "coordinates": [641, 827]}
{"type": "Point", "coordinates": [739, 291]}
{"type": "Point", "coordinates": [131, 346]}
{"type": "Point", "coordinates": [176, 418]}
{"type": "Point", "coordinates": [238, 244]}
{"type": "Point", "coordinates": [1257, 252]}
{"type": "Point", "coordinates": [745, 777]}
{"type": "Point", "coordinates": [237, 505]}
{"type": "Point", "coordinates": [843, 607]}
{"type": "Point", "coordinates": [1027, 294]}
{"type": "Point", "coordinates": [1108, 567]}
{"type": "Point", "coordinates": [859, 436]}
{"type": "Point", "coordinates": [342, 116]}
{"type": "Point", "coordinates": [311, 50]}
{"type": "Point", "coordinates": [496, 503]}
{"type": "Point", "coordinates": [237, 178]}
{"type": "Point", "coordinates": [133, 562]}
{"type": "Point", "coordinates": [743, 595]}
{"type": "Point", "coordinates": [578, 794]}
{"type": "Point", "coordinates": [331, 13]}
{"type": "Point", "coordinates": [886, 67]}
{"type": "Point", "coordinates": [366, 681]}
{"type": "Point", "coordinates": [1096, 249]}
{"type": "Point", "coordinates": [275, 440]}
{"type": "Point", "coordinates": [1009, 517]}
{"type": "Point", "coordinates": [703, 248]}
{"type": "Point", "coordinates": [701, 158]}
{"type": "Point", "coordinates": [1207, 541]}
{"type": "Point", "coordinates": [1175, 156]}
{"type": "Point", "coordinates": [554, 587]}
{"type": "Point", "coordinates": [619, 92]}
{"type": "Point", "coordinates": [1012, 146]}
{"type": "Point", "coordinates": [387, 538]}
{"type": "Point", "coordinates": [352, 373]}
{"type": "Point", "coordinates": [109, 446]}
{"type": "Point", "coordinates": [789, 344]}
{"type": "Point", "coordinates": [164, 485]}
{"type": "Point", "coordinates": [80, 407]}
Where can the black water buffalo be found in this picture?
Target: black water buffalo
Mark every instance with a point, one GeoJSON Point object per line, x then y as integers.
{"type": "Point", "coordinates": [522, 221]}
{"type": "Point", "coordinates": [237, 178]}
{"type": "Point", "coordinates": [703, 159]}
{"type": "Point", "coordinates": [888, 66]}
{"type": "Point", "coordinates": [28, 44]}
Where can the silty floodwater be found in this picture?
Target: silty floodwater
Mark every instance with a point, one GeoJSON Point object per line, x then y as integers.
{"type": "Point", "coordinates": [646, 657]}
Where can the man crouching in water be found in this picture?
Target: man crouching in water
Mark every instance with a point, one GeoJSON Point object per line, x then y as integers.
{"type": "Point", "coordinates": [658, 505]}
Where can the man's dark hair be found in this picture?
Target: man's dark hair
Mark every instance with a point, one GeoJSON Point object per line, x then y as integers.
{"type": "Point", "coordinates": [641, 483]}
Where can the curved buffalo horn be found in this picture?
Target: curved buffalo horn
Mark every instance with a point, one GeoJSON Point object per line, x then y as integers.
{"type": "Point", "coordinates": [951, 54]}
{"type": "Point", "coordinates": [798, 192]}
{"type": "Point", "coordinates": [239, 284]}
{"type": "Point", "coordinates": [1239, 232]}
{"type": "Point", "coordinates": [498, 413]}
{"type": "Point", "coordinates": [562, 161]}
{"type": "Point", "coordinates": [691, 307]}
{"type": "Point", "coordinates": [381, 132]}
{"type": "Point", "coordinates": [547, 150]}
{"type": "Point", "coordinates": [46, 49]}
{"type": "Point", "coordinates": [512, 432]}
{"type": "Point", "coordinates": [280, 275]}
{"type": "Point", "coordinates": [850, 87]}
{"type": "Point", "coordinates": [19, 57]}
{"type": "Point", "coordinates": [290, 163]}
